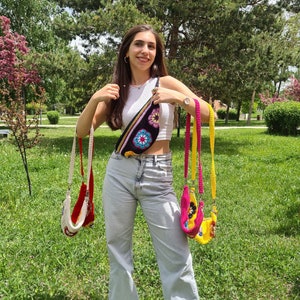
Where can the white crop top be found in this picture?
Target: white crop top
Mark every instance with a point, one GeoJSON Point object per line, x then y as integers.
{"type": "Point", "coordinates": [137, 97]}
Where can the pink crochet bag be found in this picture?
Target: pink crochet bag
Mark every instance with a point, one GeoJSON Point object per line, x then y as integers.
{"type": "Point", "coordinates": [192, 221]}
{"type": "Point", "coordinates": [191, 210]}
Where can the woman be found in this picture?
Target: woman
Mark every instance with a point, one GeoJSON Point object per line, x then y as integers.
{"type": "Point", "coordinates": [147, 178]}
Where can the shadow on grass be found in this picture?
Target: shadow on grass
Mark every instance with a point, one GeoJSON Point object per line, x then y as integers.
{"type": "Point", "coordinates": [105, 144]}
{"type": "Point", "coordinates": [295, 291]}
{"type": "Point", "coordinates": [291, 225]}
{"type": "Point", "coordinates": [48, 297]}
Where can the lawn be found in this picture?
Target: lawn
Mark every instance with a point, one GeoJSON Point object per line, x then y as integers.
{"type": "Point", "coordinates": [256, 254]}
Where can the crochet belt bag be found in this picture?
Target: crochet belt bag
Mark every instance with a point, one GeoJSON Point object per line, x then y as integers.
{"type": "Point", "coordinates": [141, 132]}
{"type": "Point", "coordinates": [192, 220]}
{"type": "Point", "coordinates": [83, 211]}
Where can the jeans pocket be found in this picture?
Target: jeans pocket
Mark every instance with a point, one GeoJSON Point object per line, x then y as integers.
{"type": "Point", "coordinates": [116, 156]}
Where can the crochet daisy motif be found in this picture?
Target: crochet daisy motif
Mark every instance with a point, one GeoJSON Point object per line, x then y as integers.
{"type": "Point", "coordinates": [154, 118]}
{"type": "Point", "coordinates": [142, 139]}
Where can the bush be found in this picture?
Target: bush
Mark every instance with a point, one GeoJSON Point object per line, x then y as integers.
{"type": "Point", "coordinates": [53, 116]}
{"type": "Point", "coordinates": [33, 107]}
{"type": "Point", "coordinates": [232, 115]}
{"type": "Point", "coordinates": [283, 117]}
{"type": "Point", "coordinates": [221, 113]}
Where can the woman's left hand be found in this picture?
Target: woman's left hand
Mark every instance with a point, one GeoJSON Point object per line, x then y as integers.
{"type": "Point", "coordinates": [164, 95]}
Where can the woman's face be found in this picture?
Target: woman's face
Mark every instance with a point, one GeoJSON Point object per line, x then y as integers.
{"type": "Point", "coordinates": [142, 51]}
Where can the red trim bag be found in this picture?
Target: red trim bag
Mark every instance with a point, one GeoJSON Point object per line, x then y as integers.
{"type": "Point", "coordinates": [83, 212]}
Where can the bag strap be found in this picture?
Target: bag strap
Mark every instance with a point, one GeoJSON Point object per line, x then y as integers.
{"type": "Point", "coordinates": [196, 144]}
{"type": "Point", "coordinates": [213, 177]}
{"type": "Point", "coordinates": [187, 145]}
{"type": "Point", "coordinates": [90, 158]}
{"type": "Point", "coordinates": [197, 136]}
{"type": "Point", "coordinates": [72, 163]}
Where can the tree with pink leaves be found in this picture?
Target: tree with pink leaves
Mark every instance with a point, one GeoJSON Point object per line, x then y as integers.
{"type": "Point", "coordinates": [18, 81]}
{"type": "Point", "coordinates": [292, 92]}
{"type": "Point", "coordinates": [267, 99]}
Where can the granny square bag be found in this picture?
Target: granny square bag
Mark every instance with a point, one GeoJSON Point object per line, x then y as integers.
{"type": "Point", "coordinates": [141, 132]}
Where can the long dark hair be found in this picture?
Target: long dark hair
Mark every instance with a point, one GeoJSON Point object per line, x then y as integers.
{"type": "Point", "coordinates": [122, 72]}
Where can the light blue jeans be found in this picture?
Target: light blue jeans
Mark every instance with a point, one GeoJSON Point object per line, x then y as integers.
{"type": "Point", "coordinates": [145, 179]}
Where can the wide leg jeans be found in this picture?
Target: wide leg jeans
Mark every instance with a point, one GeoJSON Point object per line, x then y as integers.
{"type": "Point", "coordinates": [145, 179]}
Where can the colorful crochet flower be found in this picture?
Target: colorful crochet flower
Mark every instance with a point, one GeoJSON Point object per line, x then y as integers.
{"type": "Point", "coordinates": [154, 118]}
{"type": "Point", "coordinates": [142, 139]}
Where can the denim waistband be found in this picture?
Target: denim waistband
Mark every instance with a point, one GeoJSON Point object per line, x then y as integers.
{"type": "Point", "coordinates": [146, 157]}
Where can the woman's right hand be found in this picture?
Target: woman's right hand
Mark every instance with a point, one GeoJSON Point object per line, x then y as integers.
{"type": "Point", "coordinates": [107, 93]}
{"type": "Point", "coordinates": [95, 111]}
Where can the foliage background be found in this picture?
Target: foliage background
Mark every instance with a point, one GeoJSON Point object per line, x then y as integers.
{"type": "Point", "coordinates": [224, 50]}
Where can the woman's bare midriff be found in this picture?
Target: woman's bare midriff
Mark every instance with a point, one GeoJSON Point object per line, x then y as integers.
{"type": "Point", "coordinates": [159, 147]}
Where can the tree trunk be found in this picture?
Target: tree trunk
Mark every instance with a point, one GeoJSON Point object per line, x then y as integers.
{"type": "Point", "coordinates": [22, 151]}
{"type": "Point", "coordinates": [238, 110]}
{"type": "Point", "coordinates": [27, 173]}
{"type": "Point", "coordinates": [251, 107]}
{"type": "Point", "coordinates": [227, 115]}
{"type": "Point", "coordinates": [174, 41]}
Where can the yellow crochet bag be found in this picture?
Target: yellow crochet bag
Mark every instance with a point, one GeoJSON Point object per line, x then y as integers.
{"type": "Point", "coordinates": [208, 226]}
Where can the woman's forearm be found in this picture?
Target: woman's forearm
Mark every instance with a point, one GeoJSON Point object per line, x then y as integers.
{"type": "Point", "coordinates": [96, 109]}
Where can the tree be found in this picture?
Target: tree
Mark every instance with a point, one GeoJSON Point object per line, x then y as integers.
{"type": "Point", "coordinates": [291, 92]}
{"type": "Point", "coordinates": [58, 64]}
{"type": "Point", "coordinates": [100, 36]}
{"type": "Point", "coordinates": [18, 81]}
{"type": "Point", "coordinates": [32, 19]}
{"type": "Point", "coordinates": [224, 50]}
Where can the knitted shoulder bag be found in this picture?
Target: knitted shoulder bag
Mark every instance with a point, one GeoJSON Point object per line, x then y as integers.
{"type": "Point", "coordinates": [83, 211]}
{"type": "Point", "coordinates": [192, 221]}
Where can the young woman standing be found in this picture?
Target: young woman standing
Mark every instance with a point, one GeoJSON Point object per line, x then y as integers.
{"type": "Point", "coordinates": [144, 179]}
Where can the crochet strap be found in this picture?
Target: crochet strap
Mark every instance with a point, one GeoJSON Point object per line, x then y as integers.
{"type": "Point", "coordinates": [90, 156]}
{"type": "Point", "coordinates": [213, 177]}
{"type": "Point", "coordinates": [187, 145]}
{"type": "Point", "coordinates": [72, 162]}
{"type": "Point", "coordinates": [196, 144]}
{"type": "Point", "coordinates": [198, 137]}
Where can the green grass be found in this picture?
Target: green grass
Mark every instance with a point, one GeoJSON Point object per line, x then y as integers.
{"type": "Point", "coordinates": [256, 254]}
{"type": "Point", "coordinates": [240, 123]}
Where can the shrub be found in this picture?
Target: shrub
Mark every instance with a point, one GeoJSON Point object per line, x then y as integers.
{"type": "Point", "coordinates": [283, 117]}
{"type": "Point", "coordinates": [232, 115]}
{"type": "Point", "coordinates": [33, 107]}
{"type": "Point", "coordinates": [53, 116]}
{"type": "Point", "coordinates": [221, 113]}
